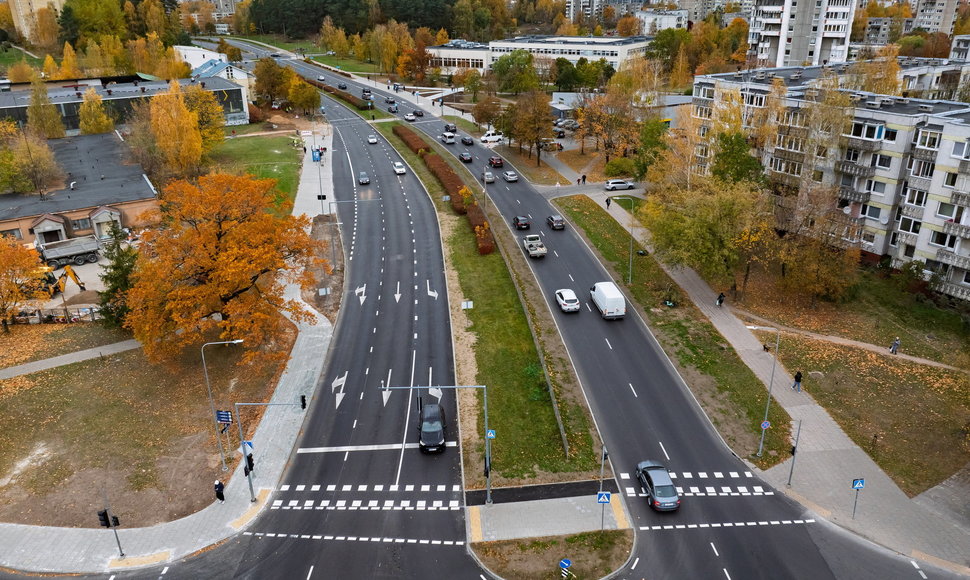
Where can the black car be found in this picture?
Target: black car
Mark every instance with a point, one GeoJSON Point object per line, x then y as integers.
{"type": "Point", "coordinates": [495, 161]}
{"type": "Point", "coordinates": [418, 113]}
{"type": "Point", "coordinates": [466, 140]}
{"type": "Point", "coordinates": [465, 157]}
{"type": "Point", "coordinates": [362, 178]}
{"type": "Point", "coordinates": [556, 222]}
{"type": "Point", "coordinates": [521, 222]}
{"type": "Point", "coordinates": [559, 133]}
{"type": "Point", "coordinates": [342, 86]}
{"type": "Point", "coordinates": [432, 427]}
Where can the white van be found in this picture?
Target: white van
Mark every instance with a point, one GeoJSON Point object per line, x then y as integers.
{"type": "Point", "coordinates": [448, 138]}
{"type": "Point", "coordinates": [608, 299]}
{"type": "Point", "coordinates": [492, 137]}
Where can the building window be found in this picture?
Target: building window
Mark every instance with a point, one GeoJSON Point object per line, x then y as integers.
{"type": "Point", "coordinates": [928, 139]}
{"type": "Point", "coordinates": [945, 240]}
{"type": "Point", "coordinates": [15, 234]}
{"type": "Point", "coordinates": [852, 155]}
{"type": "Point", "coordinates": [867, 131]}
{"type": "Point", "coordinates": [890, 135]}
{"type": "Point", "coordinates": [909, 251]}
{"type": "Point", "coordinates": [871, 212]}
{"type": "Point", "coordinates": [868, 238]}
{"type": "Point", "coordinates": [915, 197]}
{"type": "Point", "coordinates": [966, 277]}
{"type": "Point", "coordinates": [877, 187]}
{"type": "Point", "coordinates": [794, 119]}
{"type": "Point", "coordinates": [949, 179]}
{"type": "Point", "coordinates": [81, 224]}
{"type": "Point", "coordinates": [882, 161]}
{"type": "Point", "coordinates": [960, 150]}
{"type": "Point", "coordinates": [817, 176]}
{"type": "Point", "coordinates": [920, 168]}
{"type": "Point", "coordinates": [950, 212]}
{"type": "Point", "coordinates": [907, 224]}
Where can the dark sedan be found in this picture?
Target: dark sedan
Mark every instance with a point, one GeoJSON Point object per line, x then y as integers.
{"type": "Point", "coordinates": [466, 140]}
{"type": "Point", "coordinates": [521, 222]}
{"type": "Point", "coordinates": [465, 157]}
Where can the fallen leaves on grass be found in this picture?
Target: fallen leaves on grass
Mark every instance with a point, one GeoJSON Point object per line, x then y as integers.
{"type": "Point", "coordinates": [14, 385]}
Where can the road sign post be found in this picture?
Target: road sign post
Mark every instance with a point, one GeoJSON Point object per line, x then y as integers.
{"type": "Point", "coordinates": [858, 485]}
{"type": "Point", "coordinates": [603, 498]}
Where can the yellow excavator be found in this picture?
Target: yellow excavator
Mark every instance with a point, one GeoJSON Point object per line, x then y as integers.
{"type": "Point", "coordinates": [54, 284]}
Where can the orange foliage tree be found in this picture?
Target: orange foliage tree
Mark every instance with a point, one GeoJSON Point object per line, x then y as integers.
{"type": "Point", "coordinates": [21, 274]}
{"type": "Point", "coordinates": [219, 261]}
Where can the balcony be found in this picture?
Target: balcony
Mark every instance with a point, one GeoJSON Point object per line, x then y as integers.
{"type": "Point", "coordinates": [955, 290]}
{"type": "Point", "coordinates": [789, 155]}
{"type": "Point", "coordinates": [793, 131]}
{"type": "Point", "coordinates": [956, 229]}
{"type": "Point", "coordinates": [953, 259]}
{"type": "Point", "coordinates": [960, 198]}
{"type": "Point", "coordinates": [916, 182]}
{"type": "Point", "coordinates": [784, 178]}
{"type": "Point", "coordinates": [924, 154]}
{"type": "Point", "coordinates": [906, 238]}
{"type": "Point", "coordinates": [913, 211]}
{"type": "Point", "coordinates": [848, 193]}
{"type": "Point", "coordinates": [864, 144]}
{"type": "Point", "coordinates": [965, 166]}
{"type": "Point", "coordinates": [855, 169]}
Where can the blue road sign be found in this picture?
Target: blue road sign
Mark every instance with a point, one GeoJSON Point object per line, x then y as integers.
{"type": "Point", "coordinates": [490, 434]}
{"type": "Point", "coordinates": [316, 155]}
{"type": "Point", "coordinates": [858, 483]}
{"type": "Point", "coordinates": [248, 444]}
{"type": "Point", "coordinates": [565, 563]}
{"type": "Point", "coordinates": [765, 424]}
{"type": "Point", "coordinates": [603, 497]}
{"type": "Point", "coordinates": [224, 417]}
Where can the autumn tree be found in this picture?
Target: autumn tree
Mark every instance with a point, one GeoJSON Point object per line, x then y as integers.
{"type": "Point", "coordinates": [628, 25]}
{"type": "Point", "coordinates": [878, 75]}
{"type": "Point", "coordinates": [20, 72]}
{"type": "Point", "coordinates": [272, 79]}
{"type": "Point", "coordinates": [211, 118]}
{"type": "Point", "coordinates": [42, 116]}
{"type": "Point", "coordinates": [21, 274]}
{"type": "Point", "coordinates": [486, 111]}
{"type": "Point", "coordinates": [233, 53]}
{"type": "Point", "coordinates": [141, 139]}
{"type": "Point", "coordinates": [515, 72]}
{"type": "Point", "coordinates": [93, 118]}
{"type": "Point", "coordinates": [532, 123]}
{"type": "Point", "coordinates": [117, 277]}
{"type": "Point", "coordinates": [27, 163]}
{"type": "Point", "coordinates": [176, 131]}
{"type": "Point", "coordinates": [607, 117]}
{"type": "Point", "coordinates": [680, 75]}
{"type": "Point", "coordinates": [45, 33]}
{"type": "Point", "coordinates": [218, 262]}
{"type": "Point", "coordinates": [733, 160]}
{"type": "Point", "coordinates": [304, 96]}
{"type": "Point", "coordinates": [69, 68]}
{"type": "Point", "coordinates": [676, 163]}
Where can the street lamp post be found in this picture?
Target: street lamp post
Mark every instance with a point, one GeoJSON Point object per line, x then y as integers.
{"type": "Point", "coordinates": [630, 267]}
{"type": "Point", "coordinates": [212, 405]}
{"type": "Point", "coordinates": [771, 381]}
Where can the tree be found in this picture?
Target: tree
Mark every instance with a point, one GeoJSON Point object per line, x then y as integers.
{"type": "Point", "coordinates": [607, 117]}
{"type": "Point", "coordinates": [219, 260]}
{"type": "Point", "coordinates": [628, 25]}
{"type": "Point", "coordinates": [487, 111]}
{"type": "Point", "coordinates": [272, 80]}
{"type": "Point", "coordinates": [69, 69]}
{"type": "Point", "coordinates": [652, 143]}
{"type": "Point", "coordinates": [233, 53]}
{"type": "Point", "coordinates": [84, 20]}
{"type": "Point", "coordinates": [566, 77]}
{"type": "Point", "coordinates": [303, 96]}
{"type": "Point", "coordinates": [93, 118]}
{"type": "Point", "coordinates": [675, 165]}
{"type": "Point", "coordinates": [733, 160]}
{"type": "Point", "coordinates": [211, 118]}
{"type": "Point", "coordinates": [117, 276]}
{"type": "Point", "coordinates": [176, 131]}
{"type": "Point", "coordinates": [43, 117]}
{"type": "Point", "coordinates": [45, 32]}
{"type": "Point", "coordinates": [666, 45]}
{"type": "Point", "coordinates": [515, 72]}
{"type": "Point", "coordinates": [681, 75]}
{"type": "Point", "coordinates": [21, 274]}
{"type": "Point", "coordinates": [532, 123]}
{"type": "Point", "coordinates": [878, 75]}
{"type": "Point", "coordinates": [20, 72]}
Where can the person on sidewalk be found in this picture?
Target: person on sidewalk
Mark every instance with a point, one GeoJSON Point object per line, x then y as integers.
{"type": "Point", "coordinates": [584, 179]}
{"type": "Point", "coordinates": [894, 346]}
{"type": "Point", "coordinates": [608, 201]}
{"type": "Point", "coordinates": [720, 299]}
{"type": "Point", "coordinates": [219, 492]}
{"type": "Point", "coordinates": [797, 386]}
{"type": "Point", "coordinates": [577, 180]}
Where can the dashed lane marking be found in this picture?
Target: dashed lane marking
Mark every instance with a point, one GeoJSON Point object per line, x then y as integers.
{"type": "Point", "coordinates": [358, 539]}
{"type": "Point", "coordinates": [726, 525]}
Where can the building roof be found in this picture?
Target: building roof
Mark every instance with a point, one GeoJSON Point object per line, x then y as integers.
{"type": "Point", "coordinates": [597, 40]}
{"type": "Point", "coordinates": [64, 92]}
{"type": "Point", "coordinates": [212, 68]}
{"type": "Point", "coordinates": [462, 45]}
{"type": "Point", "coordinates": [102, 175]}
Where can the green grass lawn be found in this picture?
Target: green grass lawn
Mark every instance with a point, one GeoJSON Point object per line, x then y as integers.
{"type": "Point", "coordinates": [278, 41]}
{"type": "Point", "coordinates": [684, 332]}
{"type": "Point", "coordinates": [31, 342]}
{"type": "Point", "coordinates": [13, 55]}
{"type": "Point", "coordinates": [264, 157]}
{"type": "Point", "coordinates": [347, 64]}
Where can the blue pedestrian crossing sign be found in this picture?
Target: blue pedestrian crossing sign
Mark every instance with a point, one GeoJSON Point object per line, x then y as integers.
{"type": "Point", "coordinates": [490, 434]}
{"type": "Point", "coordinates": [858, 483]}
{"type": "Point", "coordinates": [565, 563]}
{"type": "Point", "coordinates": [765, 424]}
{"type": "Point", "coordinates": [603, 497]}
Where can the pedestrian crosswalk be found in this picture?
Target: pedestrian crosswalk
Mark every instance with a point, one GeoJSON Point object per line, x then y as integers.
{"type": "Point", "coordinates": [365, 505]}
{"type": "Point", "coordinates": [363, 488]}
{"type": "Point", "coordinates": [697, 491]}
{"type": "Point", "coordinates": [701, 475]}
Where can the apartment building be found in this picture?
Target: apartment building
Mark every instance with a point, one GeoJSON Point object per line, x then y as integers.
{"type": "Point", "coordinates": [901, 169]}
{"type": "Point", "coordinates": [784, 33]}
{"type": "Point", "coordinates": [588, 8]}
{"type": "Point", "coordinates": [24, 13]}
{"type": "Point", "coordinates": [653, 21]}
{"type": "Point", "coordinates": [935, 15]}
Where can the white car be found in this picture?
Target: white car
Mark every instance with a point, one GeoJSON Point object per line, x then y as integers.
{"type": "Point", "coordinates": [510, 176]}
{"type": "Point", "coordinates": [568, 302]}
{"type": "Point", "coordinates": [399, 168]}
{"type": "Point", "coordinates": [372, 139]}
{"type": "Point", "coordinates": [409, 117]}
{"type": "Point", "coordinates": [615, 184]}
{"type": "Point", "coordinates": [321, 78]}
{"type": "Point", "coordinates": [488, 177]}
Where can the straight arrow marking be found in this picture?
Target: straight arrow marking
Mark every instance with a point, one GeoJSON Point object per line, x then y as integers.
{"type": "Point", "coordinates": [397, 293]}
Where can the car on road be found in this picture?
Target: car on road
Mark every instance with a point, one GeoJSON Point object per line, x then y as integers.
{"type": "Point", "coordinates": [495, 161]}
{"type": "Point", "coordinates": [521, 222]}
{"type": "Point", "coordinates": [321, 78]}
{"type": "Point", "coordinates": [488, 177]}
{"type": "Point", "coordinates": [615, 184]}
{"type": "Point", "coordinates": [559, 133]}
{"type": "Point", "coordinates": [342, 86]}
{"type": "Point", "coordinates": [410, 117]}
{"type": "Point", "coordinates": [556, 222]}
{"type": "Point", "coordinates": [447, 138]}
{"type": "Point", "coordinates": [275, 55]}
{"type": "Point", "coordinates": [467, 140]}
{"type": "Point", "coordinates": [418, 113]}
{"type": "Point", "coordinates": [399, 168]}
{"type": "Point", "coordinates": [372, 139]}
{"type": "Point", "coordinates": [661, 491]}
{"type": "Point", "coordinates": [465, 157]}
{"type": "Point", "coordinates": [432, 426]}
{"type": "Point", "coordinates": [568, 302]}
{"type": "Point", "coordinates": [389, 100]}
{"type": "Point", "coordinates": [451, 128]}
{"type": "Point", "coordinates": [510, 176]}
{"type": "Point", "coordinates": [362, 178]}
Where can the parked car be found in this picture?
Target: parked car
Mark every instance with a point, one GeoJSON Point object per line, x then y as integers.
{"type": "Point", "coordinates": [521, 222]}
{"type": "Point", "coordinates": [399, 168]}
{"type": "Point", "coordinates": [342, 86]}
{"type": "Point", "coordinates": [492, 137]}
{"type": "Point", "coordinates": [410, 117]}
{"type": "Point", "coordinates": [559, 133]}
{"type": "Point", "coordinates": [556, 222]}
{"type": "Point", "coordinates": [495, 161]}
{"type": "Point", "coordinates": [362, 178]}
{"type": "Point", "coordinates": [465, 157]}
{"type": "Point", "coordinates": [615, 184]}
{"type": "Point", "coordinates": [488, 177]}
{"type": "Point", "coordinates": [568, 302]}
{"type": "Point", "coordinates": [467, 140]}
{"type": "Point", "coordinates": [510, 176]}
{"type": "Point", "coordinates": [558, 122]}
{"type": "Point", "coordinates": [418, 113]}
{"type": "Point", "coordinates": [656, 481]}
{"type": "Point", "coordinates": [372, 139]}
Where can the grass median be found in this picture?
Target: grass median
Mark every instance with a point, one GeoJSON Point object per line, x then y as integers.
{"type": "Point", "coordinates": [730, 393]}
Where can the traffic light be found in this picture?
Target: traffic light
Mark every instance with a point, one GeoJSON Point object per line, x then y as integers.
{"type": "Point", "coordinates": [115, 522]}
{"type": "Point", "coordinates": [250, 463]}
{"type": "Point", "coordinates": [103, 518]}
{"type": "Point", "coordinates": [303, 401]}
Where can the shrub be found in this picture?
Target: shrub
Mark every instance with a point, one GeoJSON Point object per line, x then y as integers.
{"type": "Point", "coordinates": [483, 236]}
{"type": "Point", "coordinates": [620, 166]}
{"type": "Point", "coordinates": [256, 115]}
{"type": "Point", "coordinates": [476, 217]}
{"type": "Point", "coordinates": [413, 141]}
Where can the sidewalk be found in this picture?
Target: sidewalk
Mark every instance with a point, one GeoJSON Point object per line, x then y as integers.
{"type": "Point", "coordinates": [828, 460]}
{"type": "Point", "coordinates": [93, 550]}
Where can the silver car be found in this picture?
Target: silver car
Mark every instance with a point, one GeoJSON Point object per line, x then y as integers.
{"type": "Point", "coordinates": [510, 176]}
{"type": "Point", "coordinates": [661, 491]}
{"type": "Point", "coordinates": [488, 177]}
{"type": "Point", "coordinates": [615, 184]}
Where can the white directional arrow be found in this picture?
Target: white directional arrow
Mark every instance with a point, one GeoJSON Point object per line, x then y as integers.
{"type": "Point", "coordinates": [338, 383]}
{"type": "Point", "coordinates": [360, 293]}
{"type": "Point", "coordinates": [435, 392]}
{"type": "Point", "coordinates": [386, 393]}
{"type": "Point", "coordinates": [432, 292]}
{"type": "Point", "coordinates": [397, 293]}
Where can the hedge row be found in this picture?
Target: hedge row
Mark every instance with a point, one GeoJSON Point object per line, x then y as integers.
{"type": "Point", "coordinates": [361, 104]}
{"type": "Point", "coordinates": [448, 179]}
{"type": "Point", "coordinates": [413, 141]}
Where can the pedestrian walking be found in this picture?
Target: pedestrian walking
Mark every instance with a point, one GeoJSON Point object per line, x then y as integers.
{"type": "Point", "coordinates": [797, 385]}
{"type": "Point", "coordinates": [304, 149]}
{"type": "Point", "coordinates": [894, 346]}
{"type": "Point", "coordinates": [219, 492]}
{"type": "Point", "coordinates": [608, 201]}
{"type": "Point", "coordinates": [584, 179]}
{"type": "Point", "coordinates": [720, 299]}
{"type": "Point", "coordinates": [578, 180]}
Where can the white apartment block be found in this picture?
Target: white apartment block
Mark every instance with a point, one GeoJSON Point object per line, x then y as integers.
{"type": "Point", "coordinates": [589, 8]}
{"type": "Point", "coordinates": [960, 47]}
{"type": "Point", "coordinates": [935, 15]}
{"type": "Point", "coordinates": [653, 21]}
{"type": "Point", "coordinates": [902, 170]}
{"type": "Point", "coordinates": [784, 33]}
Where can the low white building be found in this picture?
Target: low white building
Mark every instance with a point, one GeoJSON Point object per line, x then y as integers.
{"type": "Point", "coordinates": [653, 21]}
{"type": "Point", "coordinates": [196, 57]}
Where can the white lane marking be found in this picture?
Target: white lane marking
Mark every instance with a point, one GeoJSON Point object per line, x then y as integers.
{"type": "Point", "coordinates": [358, 539]}
{"type": "Point", "coordinates": [555, 253]}
{"type": "Point", "coordinates": [608, 343]}
{"type": "Point", "coordinates": [664, 450]}
{"type": "Point", "coordinates": [380, 447]}
{"type": "Point", "coordinates": [715, 550]}
{"type": "Point", "coordinates": [728, 576]}
{"type": "Point", "coordinates": [634, 390]}
{"type": "Point", "coordinates": [635, 562]}
{"type": "Point", "coordinates": [570, 277]}
{"type": "Point", "coordinates": [310, 572]}
{"type": "Point", "coordinates": [588, 307]}
{"type": "Point", "coordinates": [407, 419]}
{"type": "Point", "coordinates": [346, 455]}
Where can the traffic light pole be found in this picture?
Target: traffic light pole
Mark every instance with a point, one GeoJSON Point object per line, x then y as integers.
{"type": "Point", "coordinates": [250, 463]}
{"type": "Point", "coordinates": [110, 521]}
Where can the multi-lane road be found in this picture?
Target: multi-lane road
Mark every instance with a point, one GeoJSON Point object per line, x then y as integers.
{"type": "Point", "coordinates": [359, 500]}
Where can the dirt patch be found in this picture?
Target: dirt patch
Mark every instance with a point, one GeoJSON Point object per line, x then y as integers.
{"type": "Point", "coordinates": [594, 555]}
{"type": "Point", "coordinates": [330, 272]}
{"type": "Point", "coordinates": [86, 297]}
